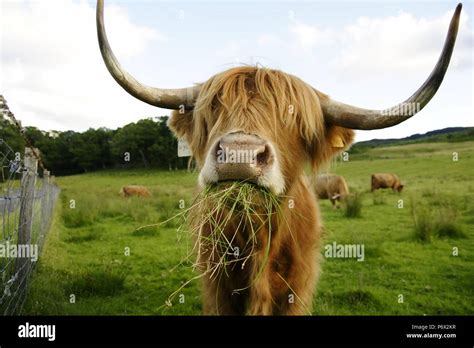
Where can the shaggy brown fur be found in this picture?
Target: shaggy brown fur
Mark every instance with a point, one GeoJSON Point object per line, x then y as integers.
{"type": "Point", "coordinates": [332, 187]}
{"type": "Point", "coordinates": [285, 111]}
{"type": "Point", "coordinates": [134, 190]}
{"type": "Point", "coordinates": [385, 180]}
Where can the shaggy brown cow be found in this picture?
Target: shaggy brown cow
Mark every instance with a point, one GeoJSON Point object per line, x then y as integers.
{"type": "Point", "coordinates": [134, 190]}
{"type": "Point", "coordinates": [332, 187]}
{"type": "Point", "coordinates": [258, 125]}
{"type": "Point", "coordinates": [386, 180]}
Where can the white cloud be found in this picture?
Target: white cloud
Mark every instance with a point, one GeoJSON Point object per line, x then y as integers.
{"type": "Point", "coordinates": [394, 44]}
{"type": "Point", "coordinates": [376, 62]}
{"type": "Point", "coordinates": [401, 43]}
{"type": "Point", "coordinates": [53, 76]}
{"type": "Point", "coordinates": [307, 36]}
{"type": "Point", "coordinates": [52, 73]}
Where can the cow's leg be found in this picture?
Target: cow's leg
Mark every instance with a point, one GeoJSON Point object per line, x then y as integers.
{"type": "Point", "coordinates": [297, 267]}
{"type": "Point", "coordinates": [303, 284]}
{"type": "Point", "coordinates": [260, 300]}
{"type": "Point", "coordinates": [211, 303]}
{"type": "Point", "coordinates": [218, 298]}
{"type": "Point", "coordinates": [335, 198]}
{"type": "Point", "coordinates": [294, 278]}
{"type": "Point", "coordinates": [218, 286]}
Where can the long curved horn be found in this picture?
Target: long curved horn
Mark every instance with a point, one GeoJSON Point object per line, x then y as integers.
{"type": "Point", "coordinates": [349, 116]}
{"type": "Point", "coordinates": [163, 98]}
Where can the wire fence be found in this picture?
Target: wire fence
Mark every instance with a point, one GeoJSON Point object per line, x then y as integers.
{"type": "Point", "coordinates": [26, 211]}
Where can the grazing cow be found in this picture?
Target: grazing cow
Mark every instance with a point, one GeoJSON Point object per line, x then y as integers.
{"type": "Point", "coordinates": [134, 190]}
{"type": "Point", "coordinates": [332, 187]}
{"type": "Point", "coordinates": [386, 180]}
{"type": "Point", "coordinates": [281, 123]}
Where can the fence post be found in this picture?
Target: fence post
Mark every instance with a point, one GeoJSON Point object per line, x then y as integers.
{"type": "Point", "coordinates": [46, 193]}
{"type": "Point", "coordinates": [28, 183]}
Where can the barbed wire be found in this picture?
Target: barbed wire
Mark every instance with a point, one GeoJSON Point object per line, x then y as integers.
{"type": "Point", "coordinates": [26, 213]}
{"type": "Point", "coordinates": [6, 112]}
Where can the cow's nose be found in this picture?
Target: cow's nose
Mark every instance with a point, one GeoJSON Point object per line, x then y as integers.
{"type": "Point", "coordinates": [241, 156]}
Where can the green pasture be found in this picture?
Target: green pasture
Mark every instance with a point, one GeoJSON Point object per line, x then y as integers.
{"type": "Point", "coordinates": [106, 254]}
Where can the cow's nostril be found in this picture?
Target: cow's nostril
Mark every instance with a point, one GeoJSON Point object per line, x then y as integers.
{"type": "Point", "coordinates": [263, 157]}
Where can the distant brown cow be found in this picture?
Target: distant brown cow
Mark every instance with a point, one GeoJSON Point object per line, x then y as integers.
{"type": "Point", "coordinates": [332, 187]}
{"type": "Point", "coordinates": [386, 180]}
{"type": "Point", "coordinates": [134, 190]}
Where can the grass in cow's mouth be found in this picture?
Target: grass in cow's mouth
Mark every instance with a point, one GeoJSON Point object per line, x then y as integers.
{"type": "Point", "coordinates": [248, 207]}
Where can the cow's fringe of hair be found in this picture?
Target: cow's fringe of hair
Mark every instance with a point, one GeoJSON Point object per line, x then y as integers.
{"type": "Point", "coordinates": [263, 99]}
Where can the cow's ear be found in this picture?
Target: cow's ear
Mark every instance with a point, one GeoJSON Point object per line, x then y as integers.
{"type": "Point", "coordinates": [335, 140]}
{"type": "Point", "coordinates": [181, 124]}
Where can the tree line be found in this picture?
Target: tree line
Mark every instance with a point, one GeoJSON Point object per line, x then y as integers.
{"type": "Point", "coordinates": [146, 143]}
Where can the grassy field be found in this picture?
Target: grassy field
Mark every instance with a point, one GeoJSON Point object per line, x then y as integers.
{"type": "Point", "coordinates": [97, 262]}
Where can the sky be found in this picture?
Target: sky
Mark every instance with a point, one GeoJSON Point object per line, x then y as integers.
{"type": "Point", "coordinates": [371, 54]}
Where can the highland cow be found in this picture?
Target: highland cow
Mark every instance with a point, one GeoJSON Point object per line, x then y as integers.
{"type": "Point", "coordinates": [385, 180]}
{"type": "Point", "coordinates": [279, 123]}
{"type": "Point", "coordinates": [134, 190]}
{"type": "Point", "coordinates": [332, 187]}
